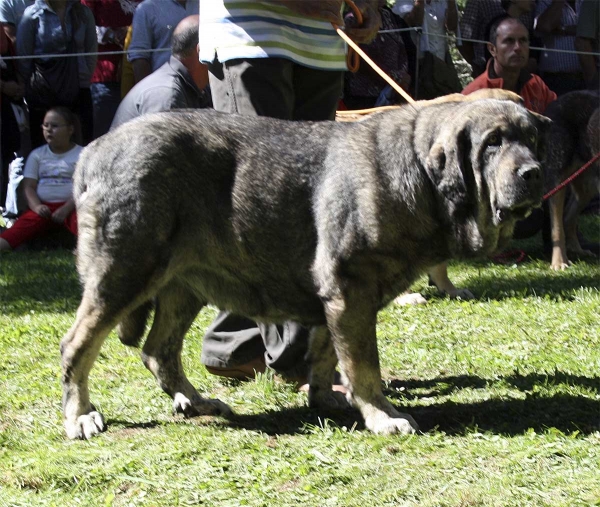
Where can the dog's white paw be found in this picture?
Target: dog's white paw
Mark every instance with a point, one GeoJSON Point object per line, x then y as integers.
{"type": "Point", "coordinates": [561, 266]}
{"type": "Point", "coordinates": [410, 299]}
{"type": "Point", "coordinates": [199, 406]}
{"type": "Point", "coordinates": [327, 399]}
{"type": "Point", "coordinates": [383, 424]}
{"type": "Point", "coordinates": [85, 426]}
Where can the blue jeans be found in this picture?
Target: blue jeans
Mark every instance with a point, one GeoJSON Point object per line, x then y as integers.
{"type": "Point", "coordinates": [106, 98]}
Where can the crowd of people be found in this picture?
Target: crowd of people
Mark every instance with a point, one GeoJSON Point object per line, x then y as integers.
{"type": "Point", "coordinates": [126, 58]}
{"type": "Point", "coordinates": [70, 54]}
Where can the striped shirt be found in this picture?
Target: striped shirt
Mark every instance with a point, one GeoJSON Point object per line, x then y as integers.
{"type": "Point", "coordinates": [551, 61]}
{"type": "Point", "coordinates": [232, 29]}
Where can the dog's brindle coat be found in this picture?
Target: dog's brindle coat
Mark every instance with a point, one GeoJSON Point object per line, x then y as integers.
{"type": "Point", "coordinates": [321, 223]}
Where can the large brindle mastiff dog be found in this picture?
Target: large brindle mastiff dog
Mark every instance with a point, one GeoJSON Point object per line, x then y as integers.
{"type": "Point", "coordinates": [320, 223]}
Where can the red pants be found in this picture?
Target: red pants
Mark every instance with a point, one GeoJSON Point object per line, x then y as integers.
{"type": "Point", "coordinates": [30, 224]}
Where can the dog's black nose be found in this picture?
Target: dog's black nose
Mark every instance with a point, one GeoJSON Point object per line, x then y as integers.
{"type": "Point", "coordinates": [531, 173]}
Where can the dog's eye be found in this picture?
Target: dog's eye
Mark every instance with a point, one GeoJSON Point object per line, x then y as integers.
{"type": "Point", "coordinates": [493, 140]}
{"type": "Point", "coordinates": [533, 139]}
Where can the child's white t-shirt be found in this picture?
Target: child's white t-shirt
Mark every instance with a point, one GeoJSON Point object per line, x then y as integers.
{"type": "Point", "coordinates": [53, 171]}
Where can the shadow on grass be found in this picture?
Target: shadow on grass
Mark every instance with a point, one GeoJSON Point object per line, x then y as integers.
{"type": "Point", "coordinates": [565, 412]}
{"type": "Point", "coordinates": [447, 385]}
{"type": "Point", "coordinates": [488, 285]}
{"type": "Point", "coordinates": [512, 417]}
{"type": "Point", "coordinates": [288, 421]}
{"type": "Point", "coordinates": [292, 421]}
{"type": "Point", "coordinates": [129, 427]}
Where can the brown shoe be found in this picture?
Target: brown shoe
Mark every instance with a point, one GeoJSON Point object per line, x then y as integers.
{"type": "Point", "coordinates": [246, 371]}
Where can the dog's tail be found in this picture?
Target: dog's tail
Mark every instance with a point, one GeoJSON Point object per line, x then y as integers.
{"type": "Point", "coordinates": [132, 328]}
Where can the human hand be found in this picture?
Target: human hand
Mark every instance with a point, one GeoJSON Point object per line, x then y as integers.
{"type": "Point", "coordinates": [371, 22]}
{"type": "Point", "coordinates": [119, 35]}
{"type": "Point", "coordinates": [61, 214]}
{"type": "Point", "coordinates": [42, 210]}
{"type": "Point", "coordinates": [13, 89]}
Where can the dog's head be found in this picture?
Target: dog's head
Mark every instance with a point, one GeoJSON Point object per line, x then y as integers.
{"type": "Point", "coordinates": [485, 162]}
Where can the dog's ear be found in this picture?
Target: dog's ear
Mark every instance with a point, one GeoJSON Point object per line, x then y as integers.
{"type": "Point", "coordinates": [542, 124]}
{"type": "Point", "coordinates": [449, 165]}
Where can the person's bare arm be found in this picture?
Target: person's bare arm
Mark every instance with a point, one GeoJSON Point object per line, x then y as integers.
{"type": "Point", "coordinates": [415, 17]}
{"type": "Point", "coordinates": [61, 214]}
{"type": "Point", "coordinates": [451, 16]}
{"type": "Point", "coordinates": [587, 62]}
{"type": "Point", "coordinates": [33, 201]}
{"type": "Point", "coordinates": [549, 21]}
{"type": "Point", "coordinates": [13, 89]}
{"type": "Point", "coordinates": [467, 51]}
{"type": "Point", "coordinates": [11, 32]}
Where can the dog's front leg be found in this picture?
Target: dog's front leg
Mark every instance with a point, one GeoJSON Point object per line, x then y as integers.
{"type": "Point", "coordinates": [353, 332]}
{"type": "Point", "coordinates": [176, 309]}
{"type": "Point", "coordinates": [323, 361]}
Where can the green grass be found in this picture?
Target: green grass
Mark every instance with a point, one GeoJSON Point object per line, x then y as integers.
{"type": "Point", "coordinates": [506, 389]}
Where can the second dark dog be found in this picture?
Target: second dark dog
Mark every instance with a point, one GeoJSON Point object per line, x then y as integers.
{"type": "Point", "coordinates": [573, 139]}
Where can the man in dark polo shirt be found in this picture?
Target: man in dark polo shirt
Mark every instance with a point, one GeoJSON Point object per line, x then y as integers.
{"type": "Point", "coordinates": [178, 84]}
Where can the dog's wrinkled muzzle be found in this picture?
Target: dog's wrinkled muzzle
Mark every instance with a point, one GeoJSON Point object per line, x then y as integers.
{"type": "Point", "coordinates": [520, 195]}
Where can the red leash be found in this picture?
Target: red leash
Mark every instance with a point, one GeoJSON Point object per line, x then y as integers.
{"type": "Point", "coordinates": [510, 257]}
{"type": "Point", "coordinates": [572, 177]}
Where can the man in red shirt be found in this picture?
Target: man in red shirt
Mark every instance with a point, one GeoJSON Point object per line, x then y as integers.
{"type": "Point", "coordinates": [509, 47]}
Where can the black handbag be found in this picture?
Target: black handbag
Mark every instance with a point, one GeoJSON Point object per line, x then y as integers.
{"type": "Point", "coordinates": [55, 81]}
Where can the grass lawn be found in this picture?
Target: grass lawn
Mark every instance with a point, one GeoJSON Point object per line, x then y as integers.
{"type": "Point", "coordinates": [506, 389]}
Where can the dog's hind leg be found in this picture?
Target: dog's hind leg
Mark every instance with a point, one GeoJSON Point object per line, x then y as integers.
{"type": "Point", "coordinates": [176, 309]}
{"type": "Point", "coordinates": [79, 349]}
{"type": "Point", "coordinates": [323, 361]}
{"type": "Point", "coordinates": [353, 333]}
{"type": "Point", "coordinates": [583, 189]}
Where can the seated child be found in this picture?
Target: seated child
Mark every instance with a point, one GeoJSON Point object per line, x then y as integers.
{"type": "Point", "coordinates": [47, 182]}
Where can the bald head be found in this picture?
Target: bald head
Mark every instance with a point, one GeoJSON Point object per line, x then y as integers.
{"type": "Point", "coordinates": [184, 47]}
{"type": "Point", "coordinates": [185, 37]}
